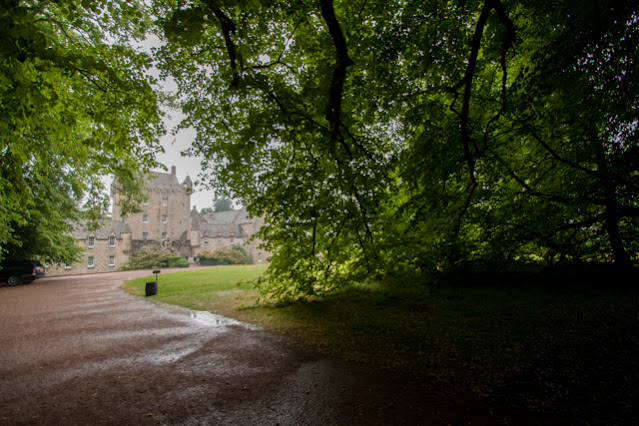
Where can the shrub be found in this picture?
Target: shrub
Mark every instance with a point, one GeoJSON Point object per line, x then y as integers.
{"type": "Point", "coordinates": [235, 255]}
{"type": "Point", "coordinates": [178, 262]}
{"type": "Point", "coordinates": [147, 260]}
{"type": "Point", "coordinates": [242, 251]}
{"type": "Point", "coordinates": [155, 259]}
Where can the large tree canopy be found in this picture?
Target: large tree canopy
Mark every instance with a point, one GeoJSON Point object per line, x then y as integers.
{"type": "Point", "coordinates": [75, 105]}
{"type": "Point", "coordinates": [377, 136]}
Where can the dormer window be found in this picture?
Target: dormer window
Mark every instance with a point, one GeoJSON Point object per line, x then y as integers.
{"type": "Point", "coordinates": [165, 202]}
{"type": "Point", "coordinates": [112, 241]}
{"type": "Point", "coordinates": [91, 242]}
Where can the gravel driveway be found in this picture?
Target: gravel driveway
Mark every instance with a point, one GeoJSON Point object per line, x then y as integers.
{"type": "Point", "coordinates": [79, 350]}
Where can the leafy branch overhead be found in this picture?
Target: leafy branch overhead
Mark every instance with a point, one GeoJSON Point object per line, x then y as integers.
{"type": "Point", "coordinates": [380, 137]}
{"type": "Point", "coordinates": [75, 105]}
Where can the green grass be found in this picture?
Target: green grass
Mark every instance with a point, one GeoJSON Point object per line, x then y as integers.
{"type": "Point", "coordinates": [199, 289]}
{"type": "Point", "coordinates": [571, 353]}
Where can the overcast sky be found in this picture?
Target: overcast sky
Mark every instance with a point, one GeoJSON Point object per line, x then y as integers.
{"type": "Point", "coordinates": [172, 156]}
{"type": "Point", "coordinates": [184, 165]}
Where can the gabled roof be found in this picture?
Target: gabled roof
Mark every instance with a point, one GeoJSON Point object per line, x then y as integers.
{"type": "Point", "coordinates": [230, 216]}
{"type": "Point", "coordinates": [110, 227]}
{"type": "Point", "coordinates": [158, 179]}
{"type": "Point", "coordinates": [168, 181]}
{"type": "Point", "coordinates": [225, 230]}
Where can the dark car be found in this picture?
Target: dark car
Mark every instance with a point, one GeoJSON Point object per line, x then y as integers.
{"type": "Point", "coordinates": [39, 267]}
{"type": "Point", "coordinates": [16, 272]}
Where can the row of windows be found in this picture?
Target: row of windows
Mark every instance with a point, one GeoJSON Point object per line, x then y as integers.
{"type": "Point", "coordinates": [145, 218]}
{"type": "Point", "coordinates": [91, 261]}
{"type": "Point", "coordinates": [165, 202]}
{"type": "Point", "coordinates": [91, 242]}
{"type": "Point", "coordinates": [219, 241]}
{"type": "Point", "coordinates": [145, 236]}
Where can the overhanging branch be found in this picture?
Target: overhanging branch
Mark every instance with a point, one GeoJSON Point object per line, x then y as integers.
{"type": "Point", "coordinates": [467, 80]}
{"type": "Point", "coordinates": [334, 104]}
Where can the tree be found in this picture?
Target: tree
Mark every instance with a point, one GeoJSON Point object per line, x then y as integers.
{"type": "Point", "coordinates": [222, 204]}
{"type": "Point", "coordinates": [378, 136]}
{"type": "Point", "coordinates": [75, 105]}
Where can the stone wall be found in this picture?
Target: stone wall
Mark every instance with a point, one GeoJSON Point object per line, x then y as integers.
{"type": "Point", "coordinates": [257, 254]}
{"type": "Point", "coordinates": [178, 247]}
{"type": "Point", "coordinates": [101, 257]}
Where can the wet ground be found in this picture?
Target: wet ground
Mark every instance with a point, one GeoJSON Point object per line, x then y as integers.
{"type": "Point", "coordinates": [79, 350]}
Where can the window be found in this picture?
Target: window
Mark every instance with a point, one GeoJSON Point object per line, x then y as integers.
{"type": "Point", "coordinates": [231, 239]}
{"type": "Point", "coordinates": [145, 235]}
{"type": "Point", "coordinates": [145, 218]}
{"type": "Point", "coordinates": [206, 241]}
{"type": "Point", "coordinates": [67, 266]}
{"type": "Point", "coordinates": [164, 235]}
{"type": "Point", "coordinates": [219, 241]}
{"type": "Point", "coordinates": [259, 257]}
{"type": "Point", "coordinates": [112, 241]}
{"type": "Point", "coordinates": [91, 243]}
{"type": "Point", "coordinates": [111, 260]}
{"type": "Point", "coordinates": [90, 261]}
{"type": "Point", "coordinates": [163, 218]}
{"type": "Point", "coordinates": [165, 202]}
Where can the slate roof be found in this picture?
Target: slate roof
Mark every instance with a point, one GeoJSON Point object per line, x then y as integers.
{"type": "Point", "coordinates": [225, 230]}
{"type": "Point", "coordinates": [230, 216]}
{"type": "Point", "coordinates": [220, 224]}
{"type": "Point", "coordinates": [110, 227]}
{"type": "Point", "coordinates": [162, 180]}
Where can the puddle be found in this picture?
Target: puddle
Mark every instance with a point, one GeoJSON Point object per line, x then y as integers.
{"type": "Point", "coordinates": [213, 320]}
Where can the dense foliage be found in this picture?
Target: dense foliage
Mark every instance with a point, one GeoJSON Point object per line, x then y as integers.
{"type": "Point", "coordinates": [222, 204]}
{"type": "Point", "coordinates": [150, 259]}
{"type": "Point", "coordinates": [235, 255]}
{"type": "Point", "coordinates": [75, 105]}
{"type": "Point", "coordinates": [386, 136]}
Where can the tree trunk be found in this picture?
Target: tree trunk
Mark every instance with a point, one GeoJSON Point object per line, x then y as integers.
{"type": "Point", "coordinates": [612, 228]}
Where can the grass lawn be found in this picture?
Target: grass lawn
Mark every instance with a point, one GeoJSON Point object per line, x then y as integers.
{"type": "Point", "coordinates": [565, 351]}
{"type": "Point", "coordinates": [200, 289]}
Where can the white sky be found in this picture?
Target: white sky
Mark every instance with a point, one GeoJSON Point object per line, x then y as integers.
{"type": "Point", "coordinates": [173, 151]}
{"type": "Point", "coordinates": [184, 165]}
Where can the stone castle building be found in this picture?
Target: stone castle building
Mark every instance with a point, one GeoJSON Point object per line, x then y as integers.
{"type": "Point", "coordinates": [167, 224]}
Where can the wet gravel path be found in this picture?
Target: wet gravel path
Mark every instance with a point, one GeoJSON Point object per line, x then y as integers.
{"type": "Point", "coordinates": [79, 350]}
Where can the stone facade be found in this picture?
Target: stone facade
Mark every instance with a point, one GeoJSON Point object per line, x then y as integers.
{"type": "Point", "coordinates": [167, 224]}
{"type": "Point", "coordinates": [105, 250]}
{"type": "Point", "coordinates": [215, 230]}
{"type": "Point", "coordinates": [166, 214]}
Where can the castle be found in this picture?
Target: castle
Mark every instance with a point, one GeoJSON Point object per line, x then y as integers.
{"type": "Point", "coordinates": [167, 224]}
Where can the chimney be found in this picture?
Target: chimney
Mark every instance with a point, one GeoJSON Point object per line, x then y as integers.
{"type": "Point", "coordinates": [173, 170]}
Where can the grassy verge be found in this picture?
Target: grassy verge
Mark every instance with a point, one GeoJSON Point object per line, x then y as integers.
{"type": "Point", "coordinates": [201, 289]}
{"type": "Point", "coordinates": [572, 353]}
